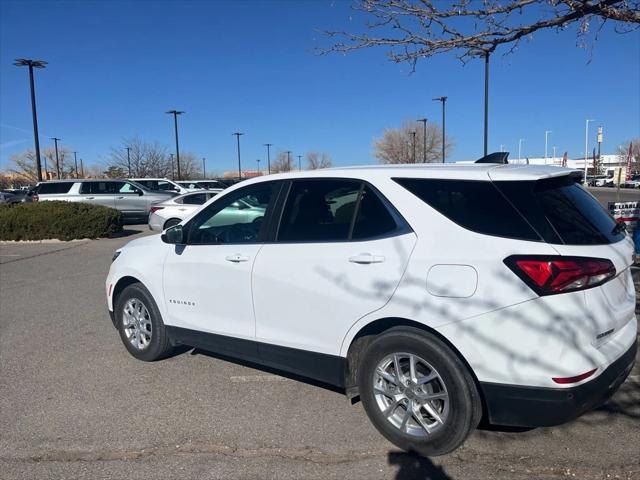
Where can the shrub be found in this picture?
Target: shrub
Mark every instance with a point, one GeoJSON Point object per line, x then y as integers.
{"type": "Point", "coordinates": [61, 220]}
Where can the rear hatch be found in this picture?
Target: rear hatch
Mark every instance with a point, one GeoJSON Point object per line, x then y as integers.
{"type": "Point", "coordinates": [573, 222]}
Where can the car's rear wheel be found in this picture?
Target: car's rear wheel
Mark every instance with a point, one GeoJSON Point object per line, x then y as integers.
{"type": "Point", "coordinates": [140, 324]}
{"type": "Point", "coordinates": [417, 392]}
{"type": "Point", "coordinates": [171, 222]}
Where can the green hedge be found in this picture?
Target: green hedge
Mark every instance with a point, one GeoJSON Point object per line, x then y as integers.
{"type": "Point", "coordinates": [61, 220]}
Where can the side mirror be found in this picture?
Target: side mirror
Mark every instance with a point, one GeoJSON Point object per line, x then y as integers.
{"type": "Point", "coordinates": [173, 235]}
{"type": "Point", "coordinates": [139, 192]}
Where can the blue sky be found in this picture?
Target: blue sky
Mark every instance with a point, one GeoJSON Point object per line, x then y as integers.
{"type": "Point", "coordinates": [115, 67]}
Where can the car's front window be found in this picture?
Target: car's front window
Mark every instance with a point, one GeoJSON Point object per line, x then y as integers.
{"type": "Point", "coordinates": [238, 218]}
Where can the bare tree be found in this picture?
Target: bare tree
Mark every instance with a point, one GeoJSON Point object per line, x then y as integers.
{"type": "Point", "coordinates": [24, 165]}
{"type": "Point", "coordinates": [623, 152]}
{"type": "Point", "coordinates": [281, 163]}
{"type": "Point", "coordinates": [316, 160]}
{"type": "Point", "coordinates": [412, 30]}
{"type": "Point", "coordinates": [190, 167]}
{"type": "Point", "coordinates": [147, 159]}
{"type": "Point", "coordinates": [398, 145]}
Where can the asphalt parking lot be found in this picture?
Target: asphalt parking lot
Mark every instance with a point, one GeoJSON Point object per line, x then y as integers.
{"type": "Point", "coordinates": [74, 404]}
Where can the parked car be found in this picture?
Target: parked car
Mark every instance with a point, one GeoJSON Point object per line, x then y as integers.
{"type": "Point", "coordinates": [21, 196]}
{"type": "Point", "coordinates": [633, 183]}
{"type": "Point", "coordinates": [6, 197]}
{"type": "Point", "coordinates": [171, 212]}
{"type": "Point", "coordinates": [131, 198]}
{"type": "Point", "coordinates": [437, 295]}
{"type": "Point", "coordinates": [214, 185]}
{"type": "Point", "coordinates": [162, 185]}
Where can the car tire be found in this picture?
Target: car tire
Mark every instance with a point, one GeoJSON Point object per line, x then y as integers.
{"type": "Point", "coordinates": [171, 223]}
{"type": "Point", "coordinates": [140, 324]}
{"type": "Point", "coordinates": [451, 396]}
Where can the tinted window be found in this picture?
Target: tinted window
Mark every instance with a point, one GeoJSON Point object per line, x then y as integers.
{"type": "Point", "coordinates": [150, 184]}
{"type": "Point", "coordinates": [101, 188]}
{"type": "Point", "coordinates": [373, 218]}
{"type": "Point", "coordinates": [55, 187]}
{"type": "Point", "coordinates": [237, 218]}
{"type": "Point", "coordinates": [196, 199]}
{"type": "Point", "coordinates": [474, 205]}
{"type": "Point", "coordinates": [562, 211]}
{"type": "Point", "coordinates": [319, 210]}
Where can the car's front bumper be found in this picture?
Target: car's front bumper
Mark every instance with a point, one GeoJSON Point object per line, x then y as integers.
{"type": "Point", "coordinates": [518, 406]}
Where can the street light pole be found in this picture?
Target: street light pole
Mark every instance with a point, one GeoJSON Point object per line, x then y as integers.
{"type": "Point", "coordinates": [546, 135]}
{"type": "Point", "coordinates": [237, 134]}
{"type": "Point", "coordinates": [288, 152]}
{"type": "Point", "coordinates": [444, 145]}
{"type": "Point", "coordinates": [300, 162]}
{"type": "Point", "coordinates": [486, 102]}
{"type": "Point", "coordinates": [23, 62]}
{"type": "Point", "coordinates": [424, 139]}
{"type": "Point", "coordinates": [55, 141]}
{"type": "Point", "coordinates": [413, 134]}
{"type": "Point", "coordinates": [520, 148]}
{"type": "Point", "coordinates": [75, 160]}
{"type": "Point", "coordinates": [204, 169]}
{"type": "Point", "coordinates": [268, 145]}
{"type": "Point", "coordinates": [554, 155]}
{"type": "Point", "coordinates": [82, 168]}
{"type": "Point", "coordinates": [175, 114]}
{"type": "Point", "coordinates": [258, 162]}
{"type": "Point", "coordinates": [129, 160]}
{"type": "Point", "coordinates": [586, 147]}
{"type": "Point", "coordinates": [173, 176]}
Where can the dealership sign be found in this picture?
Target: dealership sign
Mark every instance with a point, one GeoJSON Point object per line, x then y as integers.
{"type": "Point", "coordinates": [629, 213]}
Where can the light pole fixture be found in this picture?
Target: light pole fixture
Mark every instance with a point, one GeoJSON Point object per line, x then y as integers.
{"type": "Point", "coordinates": [129, 159]}
{"type": "Point", "coordinates": [520, 148]}
{"type": "Point", "coordinates": [424, 139]}
{"type": "Point", "coordinates": [75, 160]}
{"type": "Point", "coordinates": [204, 169]}
{"type": "Point", "coordinates": [300, 162]}
{"type": "Point", "coordinates": [268, 145]}
{"type": "Point", "coordinates": [546, 135]}
{"type": "Point", "coordinates": [237, 134]}
{"type": "Point", "coordinates": [24, 62]}
{"type": "Point", "coordinates": [413, 144]}
{"type": "Point", "coordinates": [586, 147]}
{"type": "Point", "coordinates": [175, 114]}
{"type": "Point", "coordinates": [258, 163]}
{"type": "Point", "coordinates": [444, 102]}
{"type": "Point", "coordinates": [55, 142]}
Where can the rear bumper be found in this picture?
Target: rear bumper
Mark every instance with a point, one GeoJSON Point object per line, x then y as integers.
{"type": "Point", "coordinates": [519, 406]}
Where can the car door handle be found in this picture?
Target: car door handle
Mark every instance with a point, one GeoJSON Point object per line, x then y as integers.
{"type": "Point", "coordinates": [236, 258]}
{"type": "Point", "coordinates": [119, 198]}
{"type": "Point", "coordinates": [89, 198]}
{"type": "Point", "coordinates": [366, 258]}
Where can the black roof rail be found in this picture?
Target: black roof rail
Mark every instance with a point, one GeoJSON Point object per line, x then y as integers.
{"type": "Point", "coordinates": [495, 157]}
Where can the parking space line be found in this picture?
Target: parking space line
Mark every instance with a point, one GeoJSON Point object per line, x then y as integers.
{"type": "Point", "coordinates": [257, 378]}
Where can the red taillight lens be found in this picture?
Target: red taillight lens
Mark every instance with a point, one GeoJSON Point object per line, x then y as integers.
{"type": "Point", "coordinates": [576, 379]}
{"type": "Point", "coordinates": [155, 209]}
{"type": "Point", "coordinates": [547, 275]}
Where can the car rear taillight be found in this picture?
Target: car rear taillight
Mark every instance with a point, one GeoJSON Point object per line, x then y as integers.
{"type": "Point", "coordinates": [548, 275]}
{"type": "Point", "coordinates": [155, 209]}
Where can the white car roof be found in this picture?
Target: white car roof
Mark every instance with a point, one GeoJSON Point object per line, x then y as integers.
{"type": "Point", "coordinates": [477, 171]}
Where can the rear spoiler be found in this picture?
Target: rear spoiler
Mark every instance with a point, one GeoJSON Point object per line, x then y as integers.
{"type": "Point", "coordinates": [495, 157]}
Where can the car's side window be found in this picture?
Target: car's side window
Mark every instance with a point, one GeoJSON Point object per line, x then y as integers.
{"type": "Point", "coordinates": [319, 210]}
{"type": "Point", "coordinates": [128, 188]}
{"type": "Point", "coordinates": [195, 199]}
{"type": "Point", "coordinates": [235, 219]}
{"type": "Point", "coordinates": [101, 188]}
{"type": "Point", "coordinates": [373, 219]}
{"type": "Point", "coordinates": [165, 186]}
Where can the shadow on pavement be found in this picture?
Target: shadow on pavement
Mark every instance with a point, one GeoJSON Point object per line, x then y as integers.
{"type": "Point", "coordinates": [413, 466]}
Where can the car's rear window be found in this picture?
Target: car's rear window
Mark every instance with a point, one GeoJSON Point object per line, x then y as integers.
{"type": "Point", "coordinates": [562, 211]}
{"type": "Point", "coordinates": [54, 187]}
{"type": "Point", "coordinates": [474, 205]}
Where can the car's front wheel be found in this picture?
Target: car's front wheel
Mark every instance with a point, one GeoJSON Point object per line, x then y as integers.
{"type": "Point", "coordinates": [417, 392]}
{"type": "Point", "coordinates": [140, 324]}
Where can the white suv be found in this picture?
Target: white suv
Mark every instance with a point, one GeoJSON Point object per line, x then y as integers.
{"type": "Point", "coordinates": [437, 295]}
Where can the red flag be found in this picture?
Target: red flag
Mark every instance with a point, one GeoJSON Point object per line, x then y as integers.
{"type": "Point", "coordinates": [564, 159]}
{"type": "Point", "coordinates": [629, 162]}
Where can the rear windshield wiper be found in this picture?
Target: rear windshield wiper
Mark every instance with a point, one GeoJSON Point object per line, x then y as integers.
{"type": "Point", "coordinates": [620, 227]}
